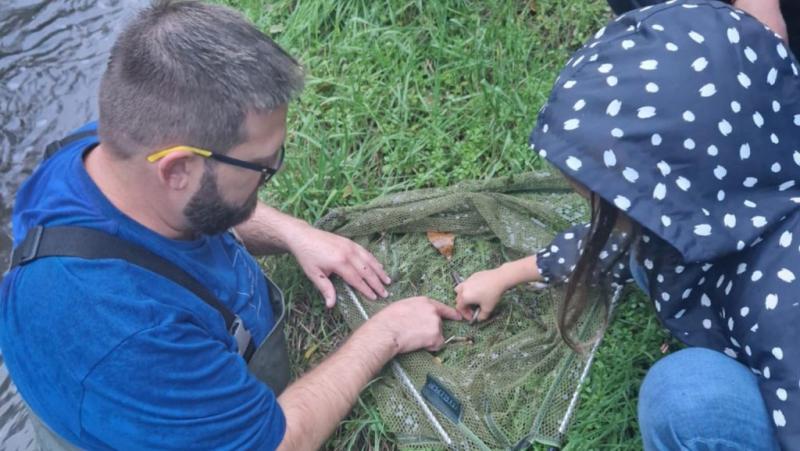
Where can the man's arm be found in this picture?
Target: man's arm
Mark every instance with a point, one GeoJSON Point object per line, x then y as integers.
{"type": "Point", "coordinates": [319, 253]}
{"type": "Point", "coordinates": [268, 231]}
{"type": "Point", "coordinates": [315, 403]}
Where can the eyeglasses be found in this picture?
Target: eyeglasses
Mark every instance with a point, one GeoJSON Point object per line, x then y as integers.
{"type": "Point", "coordinates": [267, 171]}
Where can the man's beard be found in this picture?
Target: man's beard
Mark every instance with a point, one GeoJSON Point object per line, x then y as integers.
{"type": "Point", "coordinates": [209, 214]}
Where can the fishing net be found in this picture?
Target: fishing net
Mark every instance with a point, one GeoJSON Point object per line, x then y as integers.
{"type": "Point", "coordinates": [501, 384]}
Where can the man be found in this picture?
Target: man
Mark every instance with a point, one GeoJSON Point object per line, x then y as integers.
{"type": "Point", "coordinates": [131, 317]}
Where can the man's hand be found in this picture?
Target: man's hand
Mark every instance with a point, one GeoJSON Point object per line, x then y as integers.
{"type": "Point", "coordinates": [414, 323]}
{"type": "Point", "coordinates": [315, 403]}
{"type": "Point", "coordinates": [766, 11]}
{"type": "Point", "coordinates": [321, 254]}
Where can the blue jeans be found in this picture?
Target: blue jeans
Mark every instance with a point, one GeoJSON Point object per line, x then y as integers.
{"type": "Point", "coordinates": [699, 399]}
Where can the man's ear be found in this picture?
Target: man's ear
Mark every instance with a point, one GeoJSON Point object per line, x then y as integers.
{"type": "Point", "coordinates": [177, 169]}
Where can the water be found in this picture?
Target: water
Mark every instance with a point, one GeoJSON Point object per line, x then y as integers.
{"type": "Point", "coordinates": [52, 54]}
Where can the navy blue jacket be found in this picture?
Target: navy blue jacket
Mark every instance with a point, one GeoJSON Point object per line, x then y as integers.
{"type": "Point", "coordinates": [686, 117]}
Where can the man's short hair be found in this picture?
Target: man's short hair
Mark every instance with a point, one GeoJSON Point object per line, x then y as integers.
{"type": "Point", "coordinates": [187, 72]}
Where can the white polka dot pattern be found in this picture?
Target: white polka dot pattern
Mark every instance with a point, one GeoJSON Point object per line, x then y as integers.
{"type": "Point", "coordinates": [707, 165]}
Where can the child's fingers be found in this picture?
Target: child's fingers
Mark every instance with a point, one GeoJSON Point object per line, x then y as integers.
{"type": "Point", "coordinates": [465, 313]}
{"type": "Point", "coordinates": [484, 314]}
{"type": "Point", "coordinates": [463, 308]}
{"type": "Point", "coordinates": [467, 308]}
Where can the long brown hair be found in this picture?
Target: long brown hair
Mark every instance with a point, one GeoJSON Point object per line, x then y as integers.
{"type": "Point", "coordinates": [587, 274]}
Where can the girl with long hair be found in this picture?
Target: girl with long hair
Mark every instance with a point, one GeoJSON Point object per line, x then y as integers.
{"type": "Point", "coordinates": [680, 123]}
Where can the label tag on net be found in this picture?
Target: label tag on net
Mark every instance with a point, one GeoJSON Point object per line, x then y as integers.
{"type": "Point", "coordinates": [442, 399]}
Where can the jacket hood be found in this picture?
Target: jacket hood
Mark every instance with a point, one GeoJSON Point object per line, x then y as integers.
{"type": "Point", "coordinates": [686, 116]}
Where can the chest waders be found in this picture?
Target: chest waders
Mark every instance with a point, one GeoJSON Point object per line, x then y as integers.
{"type": "Point", "coordinates": [268, 361]}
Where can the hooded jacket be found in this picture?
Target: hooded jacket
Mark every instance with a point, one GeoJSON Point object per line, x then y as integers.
{"type": "Point", "coordinates": [686, 117]}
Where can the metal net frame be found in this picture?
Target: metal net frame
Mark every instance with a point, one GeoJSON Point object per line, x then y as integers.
{"type": "Point", "coordinates": [504, 383]}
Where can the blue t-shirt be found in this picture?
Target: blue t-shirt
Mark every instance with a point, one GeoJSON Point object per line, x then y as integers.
{"type": "Point", "coordinates": [110, 355]}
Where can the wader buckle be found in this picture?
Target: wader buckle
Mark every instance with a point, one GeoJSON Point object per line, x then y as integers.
{"type": "Point", "coordinates": [29, 249]}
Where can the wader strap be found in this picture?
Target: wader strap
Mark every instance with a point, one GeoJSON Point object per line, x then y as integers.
{"type": "Point", "coordinates": [82, 242]}
{"type": "Point", "coordinates": [270, 363]}
{"type": "Point", "coordinates": [58, 144]}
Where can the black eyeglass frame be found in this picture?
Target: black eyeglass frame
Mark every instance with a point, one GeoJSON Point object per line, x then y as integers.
{"type": "Point", "coordinates": [267, 171]}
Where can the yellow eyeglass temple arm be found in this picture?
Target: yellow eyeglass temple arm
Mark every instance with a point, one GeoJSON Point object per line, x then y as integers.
{"type": "Point", "coordinates": [153, 157]}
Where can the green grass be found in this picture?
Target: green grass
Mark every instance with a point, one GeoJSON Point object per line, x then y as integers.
{"type": "Point", "coordinates": [404, 94]}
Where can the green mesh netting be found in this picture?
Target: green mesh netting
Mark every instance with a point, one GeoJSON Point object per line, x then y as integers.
{"type": "Point", "coordinates": [515, 379]}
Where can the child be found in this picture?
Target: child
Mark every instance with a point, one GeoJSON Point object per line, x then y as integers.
{"type": "Point", "coordinates": [681, 123]}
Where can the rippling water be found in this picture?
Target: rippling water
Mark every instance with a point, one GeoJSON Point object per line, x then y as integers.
{"type": "Point", "coordinates": [52, 54]}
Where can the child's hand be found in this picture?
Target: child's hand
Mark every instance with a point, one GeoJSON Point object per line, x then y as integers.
{"type": "Point", "coordinates": [482, 289]}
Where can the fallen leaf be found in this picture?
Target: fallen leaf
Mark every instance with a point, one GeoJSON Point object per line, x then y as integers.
{"type": "Point", "coordinates": [310, 351]}
{"type": "Point", "coordinates": [347, 191]}
{"type": "Point", "coordinates": [443, 242]}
